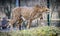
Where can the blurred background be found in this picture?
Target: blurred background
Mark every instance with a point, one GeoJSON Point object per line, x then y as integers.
{"type": "Point", "coordinates": [6, 7]}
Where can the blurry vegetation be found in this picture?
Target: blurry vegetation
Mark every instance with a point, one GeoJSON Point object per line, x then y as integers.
{"type": "Point", "coordinates": [39, 31]}
{"type": "Point", "coordinates": [7, 12]}
{"type": "Point", "coordinates": [7, 6]}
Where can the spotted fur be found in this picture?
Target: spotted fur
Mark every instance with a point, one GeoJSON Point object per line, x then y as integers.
{"type": "Point", "coordinates": [29, 13]}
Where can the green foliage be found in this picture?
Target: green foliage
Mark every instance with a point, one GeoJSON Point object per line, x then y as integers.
{"type": "Point", "coordinates": [39, 31]}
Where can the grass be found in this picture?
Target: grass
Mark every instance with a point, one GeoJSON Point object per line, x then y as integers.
{"type": "Point", "coordinates": [39, 31]}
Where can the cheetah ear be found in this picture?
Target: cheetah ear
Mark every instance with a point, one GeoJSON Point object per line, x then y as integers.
{"type": "Point", "coordinates": [37, 6]}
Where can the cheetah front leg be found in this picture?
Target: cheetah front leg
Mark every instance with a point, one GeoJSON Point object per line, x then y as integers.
{"type": "Point", "coordinates": [29, 23]}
